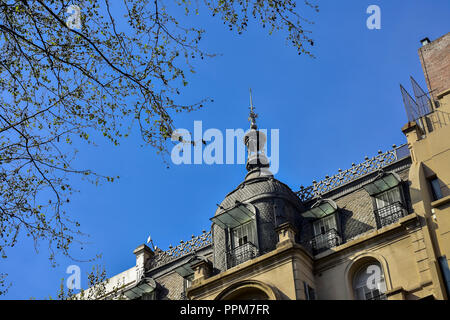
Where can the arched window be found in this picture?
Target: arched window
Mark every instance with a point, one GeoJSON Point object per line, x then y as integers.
{"type": "Point", "coordinates": [248, 290]}
{"type": "Point", "coordinates": [247, 294]}
{"type": "Point", "coordinates": [369, 282]}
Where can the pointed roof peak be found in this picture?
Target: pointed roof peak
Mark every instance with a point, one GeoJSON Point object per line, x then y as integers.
{"type": "Point", "coordinates": [253, 115]}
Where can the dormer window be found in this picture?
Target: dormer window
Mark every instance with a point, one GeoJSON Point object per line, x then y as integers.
{"type": "Point", "coordinates": [325, 225]}
{"type": "Point", "coordinates": [243, 234]}
{"type": "Point", "coordinates": [144, 289]}
{"type": "Point", "coordinates": [186, 271]}
{"type": "Point", "coordinates": [389, 207]}
{"type": "Point", "coordinates": [243, 244]}
{"type": "Point", "coordinates": [326, 233]}
{"type": "Point", "coordinates": [388, 198]}
{"type": "Point", "coordinates": [239, 224]}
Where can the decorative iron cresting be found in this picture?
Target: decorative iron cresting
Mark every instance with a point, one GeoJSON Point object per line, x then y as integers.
{"type": "Point", "coordinates": [356, 171]}
{"type": "Point", "coordinates": [184, 248]}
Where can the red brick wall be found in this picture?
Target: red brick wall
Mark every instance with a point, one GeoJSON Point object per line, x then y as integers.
{"type": "Point", "coordinates": [435, 59]}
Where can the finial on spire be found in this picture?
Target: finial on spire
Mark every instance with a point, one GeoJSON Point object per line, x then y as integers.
{"type": "Point", "coordinates": [253, 115]}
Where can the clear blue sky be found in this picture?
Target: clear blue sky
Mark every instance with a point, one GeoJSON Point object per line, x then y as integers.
{"type": "Point", "coordinates": [331, 111]}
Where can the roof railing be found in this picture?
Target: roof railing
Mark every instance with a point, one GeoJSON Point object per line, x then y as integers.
{"type": "Point", "coordinates": [355, 172]}
{"type": "Point", "coordinates": [184, 248]}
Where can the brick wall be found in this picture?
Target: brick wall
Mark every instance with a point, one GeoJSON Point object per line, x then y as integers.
{"type": "Point", "coordinates": [435, 59]}
{"type": "Point", "coordinates": [357, 211]}
{"type": "Point", "coordinates": [171, 286]}
{"type": "Point", "coordinates": [356, 214]}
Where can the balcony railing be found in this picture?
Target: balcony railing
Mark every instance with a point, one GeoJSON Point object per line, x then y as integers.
{"type": "Point", "coordinates": [325, 241]}
{"type": "Point", "coordinates": [241, 254]}
{"type": "Point", "coordinates": [389, 214]}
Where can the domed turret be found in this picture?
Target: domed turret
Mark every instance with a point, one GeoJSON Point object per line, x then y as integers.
{"type": "Point", "coordinates": [245, 221]}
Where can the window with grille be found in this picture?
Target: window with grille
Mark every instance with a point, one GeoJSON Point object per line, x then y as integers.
{"type": "Point", "coordinates": [324, 225]}
{"type": "Point", "coordinates": [388, 197]}
{"type": "Point", "coordinates": [243, 234]}
{"type": "Point", "coordinates": [369, 282]}
{"type": "Point", "coordinates": [326, 234]}
{"type": "Point", "coordinates": [389, 207]}
{"type": "Point", "coordinates": [243, 244]}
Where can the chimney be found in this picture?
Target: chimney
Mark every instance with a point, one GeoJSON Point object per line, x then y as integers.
{"type": "Point", "coordinates": [143, 254]}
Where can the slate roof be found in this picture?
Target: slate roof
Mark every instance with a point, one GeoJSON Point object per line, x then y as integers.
{"type": "Point", "coordinates": [260, 186]}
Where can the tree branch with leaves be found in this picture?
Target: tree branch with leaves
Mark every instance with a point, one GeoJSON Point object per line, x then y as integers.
{"type": "Point", "coordinates": [61, 87]}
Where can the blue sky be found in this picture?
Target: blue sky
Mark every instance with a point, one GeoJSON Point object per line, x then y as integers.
{"type": "Point", "coordinates": [331, 111]}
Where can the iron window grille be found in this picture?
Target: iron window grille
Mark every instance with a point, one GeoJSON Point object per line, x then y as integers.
{"type": "Point", "coordinates": [326, 240]}
{"type": "Point", "coordinates": [389, 214]}
{"type": "Point", "coordinates": [241, 254]}
{"type": "Point", "coordinates": [375, 295]}
{"type": "Point", "coordinates": [368, 284]}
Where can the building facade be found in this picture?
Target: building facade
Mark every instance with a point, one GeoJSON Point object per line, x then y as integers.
{"type": "Point", "coordinates": [377, 230]}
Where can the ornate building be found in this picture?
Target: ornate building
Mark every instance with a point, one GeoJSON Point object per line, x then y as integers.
{"type": "Point", "coordinates": [377, 230]}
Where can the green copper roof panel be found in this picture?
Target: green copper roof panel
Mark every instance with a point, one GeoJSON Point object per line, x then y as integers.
{"type": "Point", "coordinates": [320, 210]}
{"type": "Point", "coordinates": [383, 183]}
{"type": "Point", "coordinates": [233, 217]}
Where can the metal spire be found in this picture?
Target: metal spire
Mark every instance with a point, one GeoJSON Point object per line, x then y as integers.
{"type": "Point", "coordinates": [253, 115]}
